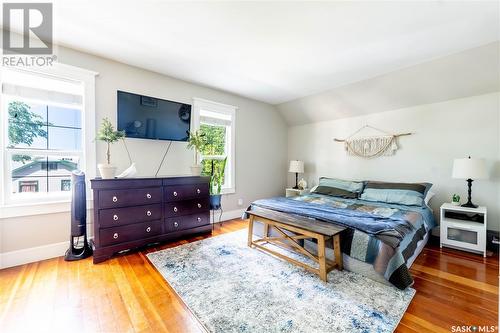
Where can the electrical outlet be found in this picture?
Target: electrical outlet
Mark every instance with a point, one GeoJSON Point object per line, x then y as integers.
{"type": "Point", "coordinates": [240, 202]}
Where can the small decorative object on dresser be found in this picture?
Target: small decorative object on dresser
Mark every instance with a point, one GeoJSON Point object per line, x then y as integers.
{"type": "Point", "coordinates": [463, 228]}
{"type": "Point", "coordinates": [108, 134]}
{"type": "Point", "coordinates": [196, 141]}
{"type": "Point", "coordinates": [455, 200]}
{"type": "Point", "coordinates": [469, 169]}
{"type": "Point", "coordinates": [130, 213]}
{"type": "Point", "coordinates": [296, 167]}
{"type": "Point", "coordinates": [293, 192]}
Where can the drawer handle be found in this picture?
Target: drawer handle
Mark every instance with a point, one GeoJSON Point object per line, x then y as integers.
{"type": "Point", "coordinates": [176, 224]}
{"type": "Point", "coordinates": [198, 191]}
{"type": "Point", "coordinates": [175, 194]}
{"type": "Point", "coordinates": [148, 213]}
{"type": "Point", "coordinates": [148, 196]}
{"type": "Point", "coordinates": [115, 235]}
{"type": "Point", "coordinates": [175, 209]}
{"type": "Point", "coordinates": [199, 219]}
{"type": "Point", "coordinates": [199, 205]}
{"type": "Point", "coordinates": [148, 229]}
{"type": "Point", "coordinates": [115, 217]}
{"type": "Point", "coordinates": [115, 199]}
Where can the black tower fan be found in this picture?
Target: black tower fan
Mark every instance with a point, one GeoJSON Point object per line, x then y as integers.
{"type": "Point", "coordinates": [79, 247]}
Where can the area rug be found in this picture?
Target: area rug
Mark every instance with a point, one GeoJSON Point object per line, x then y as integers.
{"type": "Point", "coordinates": [232, 288]}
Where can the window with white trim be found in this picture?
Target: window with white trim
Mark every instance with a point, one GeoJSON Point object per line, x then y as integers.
{"type": "Point", "coordinates": [42, 120]}
{"type": "Point", "coordinates": [217, 122]}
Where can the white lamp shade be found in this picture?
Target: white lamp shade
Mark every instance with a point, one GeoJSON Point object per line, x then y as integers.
{"type": "Point", "coordinates": [473, 168]}
{"type": "Point", "coordinates": [296, 166]}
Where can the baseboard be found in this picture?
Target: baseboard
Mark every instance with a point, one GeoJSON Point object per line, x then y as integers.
{"type": "Point", "coordinates": [32, 254]}
{"type": "Point", "coordinates": [227, 215]}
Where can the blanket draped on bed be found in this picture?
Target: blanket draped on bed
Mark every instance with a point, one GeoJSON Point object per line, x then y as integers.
{"type": "Point", "coordinates": [380, 234]}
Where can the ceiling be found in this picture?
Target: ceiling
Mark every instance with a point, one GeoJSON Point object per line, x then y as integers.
{"type": "Point", "coordinates": [274, 51]}
{"type": "Point", "coordinates": [469, 73]}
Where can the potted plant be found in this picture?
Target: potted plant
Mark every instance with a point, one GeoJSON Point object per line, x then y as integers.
{"type": "Point", "coordinates": [108, 134]}
{"type": "Point", "coordinates": [455, 200]}
{"type": "Point", "coordinates": [197, 142]}
{"type": "Point", "coordinates": [216, 181]}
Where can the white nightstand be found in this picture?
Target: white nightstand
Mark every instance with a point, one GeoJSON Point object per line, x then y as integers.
{"type": "Point", "coordinates": [463, 228]}
{"type": "Point", "coordinates": [293, 192]}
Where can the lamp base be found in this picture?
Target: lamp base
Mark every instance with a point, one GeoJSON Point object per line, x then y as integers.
{"type": "Point", "coordinates": [469, 205]}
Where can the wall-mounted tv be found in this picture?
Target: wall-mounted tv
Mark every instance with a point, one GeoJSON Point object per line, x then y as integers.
{"type": "Point", "coordinates": [148, 117]}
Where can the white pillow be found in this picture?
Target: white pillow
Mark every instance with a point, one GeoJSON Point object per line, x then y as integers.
{"type": "Point", "coordinates": [428, 197]}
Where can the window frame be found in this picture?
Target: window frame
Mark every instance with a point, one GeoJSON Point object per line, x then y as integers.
{"type": "Point", "coordinates": [200, 104]}
{"type": "Point", "coordinates": [50, 202]}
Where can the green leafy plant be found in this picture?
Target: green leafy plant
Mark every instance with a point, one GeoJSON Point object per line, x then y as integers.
{"type": "Point", "coordinates": [24, 127]}
{"type": "Point", "coordinates": [108, 134]}
{"type": "Point", "coordinates": [197, 142]}
{"type": "Point", "coordinates": [217, 175]}
{"type": "Point", "coordinates": [455, 198]}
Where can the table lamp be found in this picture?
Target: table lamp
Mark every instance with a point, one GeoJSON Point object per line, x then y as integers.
{"type": "Point", "coordinates": [297, 167]}
{"type": "Point", "coordinates": [469, 169]}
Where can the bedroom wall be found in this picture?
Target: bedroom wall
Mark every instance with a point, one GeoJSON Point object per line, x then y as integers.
{"type": "Point", "coordinates": [261, 149]}
{"type": "Point", "coordinates": [443, 131]}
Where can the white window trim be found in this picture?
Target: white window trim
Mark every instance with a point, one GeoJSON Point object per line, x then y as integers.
{"type": "Point", "coordinates": [198, 105]}
{"type": "Point", "coordinates": [56, 203]}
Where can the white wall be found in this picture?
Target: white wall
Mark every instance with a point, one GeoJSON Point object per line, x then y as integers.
{"type": "Point", "coordinates": [443, 131]}
{"type": "Point", "coordinates": [260, 145]}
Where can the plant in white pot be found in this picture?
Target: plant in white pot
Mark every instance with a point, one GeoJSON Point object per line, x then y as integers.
{"type": "Point", "coordinates": [196, 141]}
{"type": "Point", "coordinates": [108, 134]}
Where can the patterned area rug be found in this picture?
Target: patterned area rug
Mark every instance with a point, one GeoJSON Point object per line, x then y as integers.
{"type": "Point", "coordinates": [232, 288]}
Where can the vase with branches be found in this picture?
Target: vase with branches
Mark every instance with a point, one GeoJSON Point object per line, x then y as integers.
{"type": "Point", "coordinates": [108, 134]}
{"type": "Point", "coordinates": [196, 141]}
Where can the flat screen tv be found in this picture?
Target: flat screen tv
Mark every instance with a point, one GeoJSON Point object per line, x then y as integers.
{"type": "Point", "coordinates": [148, 117]}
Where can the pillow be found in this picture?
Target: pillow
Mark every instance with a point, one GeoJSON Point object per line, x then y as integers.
{"type": "Point", "coordinates": [428, 197]}
{"type": "Point", "coordinates": [339, 188]}
{"type": "Point", "coordinates": [410, 194]}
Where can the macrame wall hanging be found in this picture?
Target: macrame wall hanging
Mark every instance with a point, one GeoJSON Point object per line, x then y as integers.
{"type": "Point", "coordinates": [371, 146]}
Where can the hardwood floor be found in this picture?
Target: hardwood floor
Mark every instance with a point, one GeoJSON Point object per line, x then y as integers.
{"type": "Point", "coordinates": [126, 294]}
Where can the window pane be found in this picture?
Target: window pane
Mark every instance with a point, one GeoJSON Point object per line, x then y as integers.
{"type": "Point", "coordinates": [27, 125]}
{"type": "Point", "coordinates": [42, 173]}
{"type": "Point", "coordinates": [62, 138]}
{"type": "Point", "coordinates": [61, 116]}
{"type": "Point", "coordinates": [215, 137]}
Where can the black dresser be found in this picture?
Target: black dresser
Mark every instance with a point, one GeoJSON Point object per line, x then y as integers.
{"type": "Point", "coordinates": [134, 212]}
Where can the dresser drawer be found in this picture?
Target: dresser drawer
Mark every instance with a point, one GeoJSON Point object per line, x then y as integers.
{"type": "Point", "coordinates": [173, 224]}
{"type": "Point", "coordinates": [180, 208]}
{"type": "Point", "coordinates": [131, 232]}
{"type": "Point", "coordinates": [113, 217]}
{"type": "Point", "coordinates": [182, 192]}
{"type": "Point", "coordinates": [121, 198]}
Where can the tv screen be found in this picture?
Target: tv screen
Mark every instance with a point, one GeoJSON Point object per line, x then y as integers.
{"type": "Point", "coordinates": [147, 117]}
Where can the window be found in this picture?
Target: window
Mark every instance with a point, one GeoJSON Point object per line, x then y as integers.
{"type": "Point", "coordinates": [217, 121]}
{"type": "Point", "coordinates": [28, 186]}
{"type": "Point", "coordinates": [65, 184]}
{"type": "Point", "coordinates": [43, 138]}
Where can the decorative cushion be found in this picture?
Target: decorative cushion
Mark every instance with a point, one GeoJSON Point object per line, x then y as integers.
{"type": "Point", "coordinates": [339, 188]}
{"type": "Point", "coordinates": [410, 194]}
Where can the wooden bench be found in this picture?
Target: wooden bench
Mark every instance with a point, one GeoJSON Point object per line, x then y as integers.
{"type": "Point", "coordinates": [302, 228]}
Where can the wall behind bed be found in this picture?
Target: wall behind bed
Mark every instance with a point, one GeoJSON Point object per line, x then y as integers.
{"type": "Point", "coordinates": [443, 131]}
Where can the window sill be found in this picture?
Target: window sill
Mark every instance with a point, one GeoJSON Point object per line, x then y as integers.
{"type": "Point", "coordinates": [228, 190]}
{"type": "Point", "coordinates": [27, 209]}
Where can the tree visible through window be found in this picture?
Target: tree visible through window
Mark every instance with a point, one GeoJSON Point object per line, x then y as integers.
{"type": "Point", "coordinates": [215, 148]}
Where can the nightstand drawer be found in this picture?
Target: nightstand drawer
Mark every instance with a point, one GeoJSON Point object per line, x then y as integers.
{"type": "Point", "coordinates": [463, 235]}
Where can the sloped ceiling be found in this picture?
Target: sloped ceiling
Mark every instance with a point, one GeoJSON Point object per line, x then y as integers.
{"type": "Point", "coordinates": [472, 72]}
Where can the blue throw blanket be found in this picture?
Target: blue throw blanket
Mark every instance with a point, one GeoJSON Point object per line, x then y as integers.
{"type": "Point", "coordinates": [392, 229]}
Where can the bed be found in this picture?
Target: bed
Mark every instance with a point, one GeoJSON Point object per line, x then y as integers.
{"type": "Point", "coordinates": [382, 240]}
